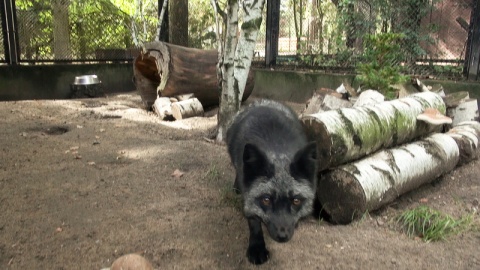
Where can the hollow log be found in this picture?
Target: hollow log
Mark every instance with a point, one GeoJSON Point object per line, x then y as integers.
{"type": "Point", "coordinates": [146, 87]}
{"type": "Point", "coordinates": [467, 136]}
{"type": "Point", "coordinates": [187, 108]}
{"type": "Point", "coordinates": [347, 134]}
{"type": "Point", "coordinates": [350, 190]}
{"type": "Point", "coordinates": [178, 70]}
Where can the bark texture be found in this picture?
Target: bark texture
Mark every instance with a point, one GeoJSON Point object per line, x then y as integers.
{"type": "Point", "coordinates": [348, 134]}
{"type": "Point", "coordinates": [348, 191]}
{"type": "Point", "coordinates": [236, 59]}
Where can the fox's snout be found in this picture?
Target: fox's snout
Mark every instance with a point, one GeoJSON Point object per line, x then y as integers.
{"type": "Point", "coordinates": [281, 231]}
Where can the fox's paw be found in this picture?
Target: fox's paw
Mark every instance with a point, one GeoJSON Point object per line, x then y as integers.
{"type": "Point", "coordinates": [258, 254]}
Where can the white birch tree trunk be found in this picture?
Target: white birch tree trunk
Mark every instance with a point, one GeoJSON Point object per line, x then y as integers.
{"type": "Point", "coordinates": [236, 58]}
{"type": "Point", "coordinates": [348, 191]}
{"type": "Point", "coordinates": [160, 19]}
{"type": "Point", "coordinates": [229, 96]}
{"type": "Point", "coordinates": [347, 134]}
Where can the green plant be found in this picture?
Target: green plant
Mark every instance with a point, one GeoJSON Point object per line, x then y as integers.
{"type": "Point", "coordinates": [432, 225]}
{"type": "Point", "coordinates": [381, 67]}
{"type": "Point", "coordinates": [213, 174]}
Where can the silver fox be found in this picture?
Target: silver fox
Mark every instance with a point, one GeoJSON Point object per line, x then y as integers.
{"type": "Point", "coordinates": [275, 172]}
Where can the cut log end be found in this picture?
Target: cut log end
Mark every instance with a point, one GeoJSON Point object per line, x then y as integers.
{"type": "Point", "coordinates": [341, 196]}
{"type": "Point", "coordinates": [316, 131]}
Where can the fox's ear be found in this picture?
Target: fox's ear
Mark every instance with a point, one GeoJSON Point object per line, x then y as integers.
{"type": "Point", "coordinates": [304, 163]}
{"type": "Point", "coordinates": [255, 163]}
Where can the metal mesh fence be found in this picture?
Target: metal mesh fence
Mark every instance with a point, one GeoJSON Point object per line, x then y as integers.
{"type": "Point", "coordinates": [80, 30]}
{"type": "Point", "coordinates": [428, 36]}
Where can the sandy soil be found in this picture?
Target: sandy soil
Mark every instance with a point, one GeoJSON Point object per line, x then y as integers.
{"type": "Point", "coordinates": [83, 182]}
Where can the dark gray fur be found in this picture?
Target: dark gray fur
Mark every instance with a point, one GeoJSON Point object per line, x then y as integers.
{"type": "Point", "coordinates": [275, 169]}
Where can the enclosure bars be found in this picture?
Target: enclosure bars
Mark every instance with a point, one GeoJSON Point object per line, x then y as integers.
{"type": "Point", "coordinates": [472, 57]}
{"type": "Point", "coordinates": [9, 31]}
{"type": "Point", "coordinates": [272, 32]}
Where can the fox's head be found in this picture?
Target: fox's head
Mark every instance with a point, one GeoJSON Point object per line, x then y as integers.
{"type": "Point", "coordinates": [279, 189]}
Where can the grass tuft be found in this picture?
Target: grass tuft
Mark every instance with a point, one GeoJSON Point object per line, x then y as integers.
{"type": "Point", "coordinates": [432, 225]}
{"type": "Point", "coordinates": [232, 199]}
{"type": "Point", "coordinates": [213, 174]}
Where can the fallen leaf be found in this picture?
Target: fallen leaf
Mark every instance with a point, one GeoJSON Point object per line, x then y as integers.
{"type": "Point", "coordinates": [423, 200]}
{"type": "Point", "coordinates": [177, 173]}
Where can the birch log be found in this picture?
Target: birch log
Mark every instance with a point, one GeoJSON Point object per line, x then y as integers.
{"type": "Point", "coordinates": [163, 108]}
{"type": "Point", "coordinates": [467, 110]}
{"type": "Point", "coordinates": [347, 134]}
{"type": "Point", "coordinates": [348, 191]}
{"type": "Point", "coordinates": [187, 108]}
{"type": "Point", "coordinates": [467, 136]}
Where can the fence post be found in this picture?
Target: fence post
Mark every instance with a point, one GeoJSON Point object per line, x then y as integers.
{"type": "Point", "coordinates": [472, 57]}
{"type": "Point", "coordinates": [273, 29]}
{"type": "Point", "coordinates": [10, 30]}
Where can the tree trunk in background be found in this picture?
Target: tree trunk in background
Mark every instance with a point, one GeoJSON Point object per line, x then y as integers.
{"type": "Point", "coordinates": [349, 191]}
{"type": "Point", "coordinates": [178, 22]}
{"type": "Point", "coordinates": [347, 134]}
{"type": "Point", "coordinates": [61, 29]}
{"type": "Point", "coordinates": [162, 14]}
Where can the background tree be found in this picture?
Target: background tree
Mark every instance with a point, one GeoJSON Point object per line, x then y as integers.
{"type": "Point", "coordinates": [61, 29]}
{"type": "Point", "coordinates": [298, 7]}
{"type": "Point", "coordinates": [178, 22]}
{"type": "Point", "coordinates": [201, 25]}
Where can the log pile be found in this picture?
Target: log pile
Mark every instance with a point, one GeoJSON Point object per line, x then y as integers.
{"type": "Point", "coordinates": [177, 108]}
{"type": "Point", "coordinates": [347, 134]}
{"type": "Point", "coordinates": [369, 155]}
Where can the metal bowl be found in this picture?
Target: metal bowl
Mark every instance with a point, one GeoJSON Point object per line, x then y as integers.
{"type": "Point", "coordinates": [86, 80]}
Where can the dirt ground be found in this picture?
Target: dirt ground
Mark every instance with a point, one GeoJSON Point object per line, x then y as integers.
{"type": "Point", "coordinates": [83, 182]}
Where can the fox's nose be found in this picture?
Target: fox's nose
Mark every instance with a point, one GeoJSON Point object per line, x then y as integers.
{"type": "Point", "coordinates": [283, 235]}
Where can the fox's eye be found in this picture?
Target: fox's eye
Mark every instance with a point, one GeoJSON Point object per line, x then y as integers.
{"type": "Point", "coordinates": [296, 202]}
{"type": "Point", "coordinates": [266, 201]}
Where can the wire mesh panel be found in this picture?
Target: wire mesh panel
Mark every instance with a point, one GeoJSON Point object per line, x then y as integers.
{"type": "Point", "coordinates": [333, 34]}
{"type": "Point", "coordinates": [80, 30]}
{"type": "Point", "coordinates": [429, 35]}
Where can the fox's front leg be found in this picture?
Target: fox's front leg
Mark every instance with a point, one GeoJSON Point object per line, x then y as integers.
{"type": "Point", "coordinates": [257, 253]}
